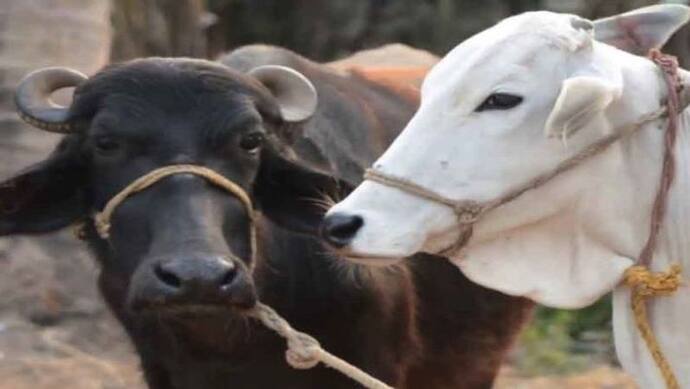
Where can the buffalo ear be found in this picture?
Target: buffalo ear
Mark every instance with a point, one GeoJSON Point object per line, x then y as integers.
{"type": "Point", "coordinates": [293, 196]}
{"type": "Point", "coordinates": [47, 196]}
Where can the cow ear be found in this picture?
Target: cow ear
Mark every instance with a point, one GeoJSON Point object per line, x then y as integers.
{"type": "Point", "coordinates": [293, 196]}
{"type": "Point", "coordinates": [294, 93]}
{"type": "Point", "coordinates": [581, 99]}
{"type": "Point", "coordinates": [643, 29]}
{"type": "Point", "coordinates": [47, 196]}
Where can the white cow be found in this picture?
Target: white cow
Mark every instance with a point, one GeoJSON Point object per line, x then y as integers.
{"type": "Point", "coordinates": [509, 104]}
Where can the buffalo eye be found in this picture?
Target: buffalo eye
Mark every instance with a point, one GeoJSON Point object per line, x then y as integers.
{"type": "Point", "coordinates": [500, 101]}
{"type": "Point", "coordinates": [106, 145]}
{"type": "Point", "coordinates": [252, 142]}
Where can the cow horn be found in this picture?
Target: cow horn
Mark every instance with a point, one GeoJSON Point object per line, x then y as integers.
{"type": "Point", "coordinates": [295, 94]}
{"type": "Point", "coordinates": [33, 98]}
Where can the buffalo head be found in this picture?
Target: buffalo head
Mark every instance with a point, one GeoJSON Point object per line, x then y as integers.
{"type": "Point", "coordinates": [182, 243]}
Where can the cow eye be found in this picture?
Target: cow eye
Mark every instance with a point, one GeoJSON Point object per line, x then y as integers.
{"type": "Point", "coordinates": [106, 145]}
{"type": "Point", "coordinates": [500, 101]}
{"type": "Point", "coordinates": [252, 141]}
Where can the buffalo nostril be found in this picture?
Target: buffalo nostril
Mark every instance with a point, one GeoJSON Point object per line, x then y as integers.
{"type": "Point", "coordinates": [228, 278]}
{"type": "Point", "coordinates": [338, 229]}
{"type": "Point", "coordinates": [167, 277]}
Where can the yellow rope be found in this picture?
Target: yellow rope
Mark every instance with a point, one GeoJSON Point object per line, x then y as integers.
{"type": "Point", "coordinates": [646, 284]}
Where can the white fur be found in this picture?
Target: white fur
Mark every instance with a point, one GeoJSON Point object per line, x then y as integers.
{"type": "Point", "coordinates": [568, 242]}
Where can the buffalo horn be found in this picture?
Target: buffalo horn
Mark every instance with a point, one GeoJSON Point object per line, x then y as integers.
{"type": "Point", "coordinates": [34, 103]}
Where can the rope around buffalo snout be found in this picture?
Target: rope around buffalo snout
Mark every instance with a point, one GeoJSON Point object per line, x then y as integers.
{"type": "Point", "coordinates": [304, 352]}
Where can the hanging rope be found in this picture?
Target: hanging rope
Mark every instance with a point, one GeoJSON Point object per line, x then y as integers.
{"type": "Point", "coordinates": [305, 352]}
{"type": "Point", "coordinates": [645, 284]}
{"type": "Point", "coordinates": [669, 68]}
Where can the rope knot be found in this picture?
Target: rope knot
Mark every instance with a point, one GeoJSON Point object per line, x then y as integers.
{"type": "Point", "coordinates": [303, 351]}
{"type": "Point", "coordinates": [650, 283]}
{"type": "Point", "coordinates": [468, 212]}
{"type": "Point", "coordinates": [646, 284]}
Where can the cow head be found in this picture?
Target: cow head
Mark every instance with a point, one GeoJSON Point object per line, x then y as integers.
{"type": "Point", "coordinates": [183, 242]}
{"type": "Point", "coordinates": [504, 107]}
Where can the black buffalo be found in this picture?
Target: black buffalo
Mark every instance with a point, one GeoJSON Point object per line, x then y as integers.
{"type": "Point", "coordinates": [176, 270]}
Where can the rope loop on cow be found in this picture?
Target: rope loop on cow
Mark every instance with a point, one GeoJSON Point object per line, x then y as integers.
{"type": "Point", "coordinates": [305, 352]}
{"type": "Point", "coordinates": [467, 211]}
{"type": "Point", "coordinates": [645, 284]}
{"type": "Point", "coordinates": [669, 68]}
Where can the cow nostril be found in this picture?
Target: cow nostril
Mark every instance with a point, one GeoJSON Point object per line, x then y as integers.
{"type": "Point", "coordinates": [339, 229]}
{"type": "Point", "coordinates": [167, 277]}
{"type": "Point", "coordinates": [347, 229]}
